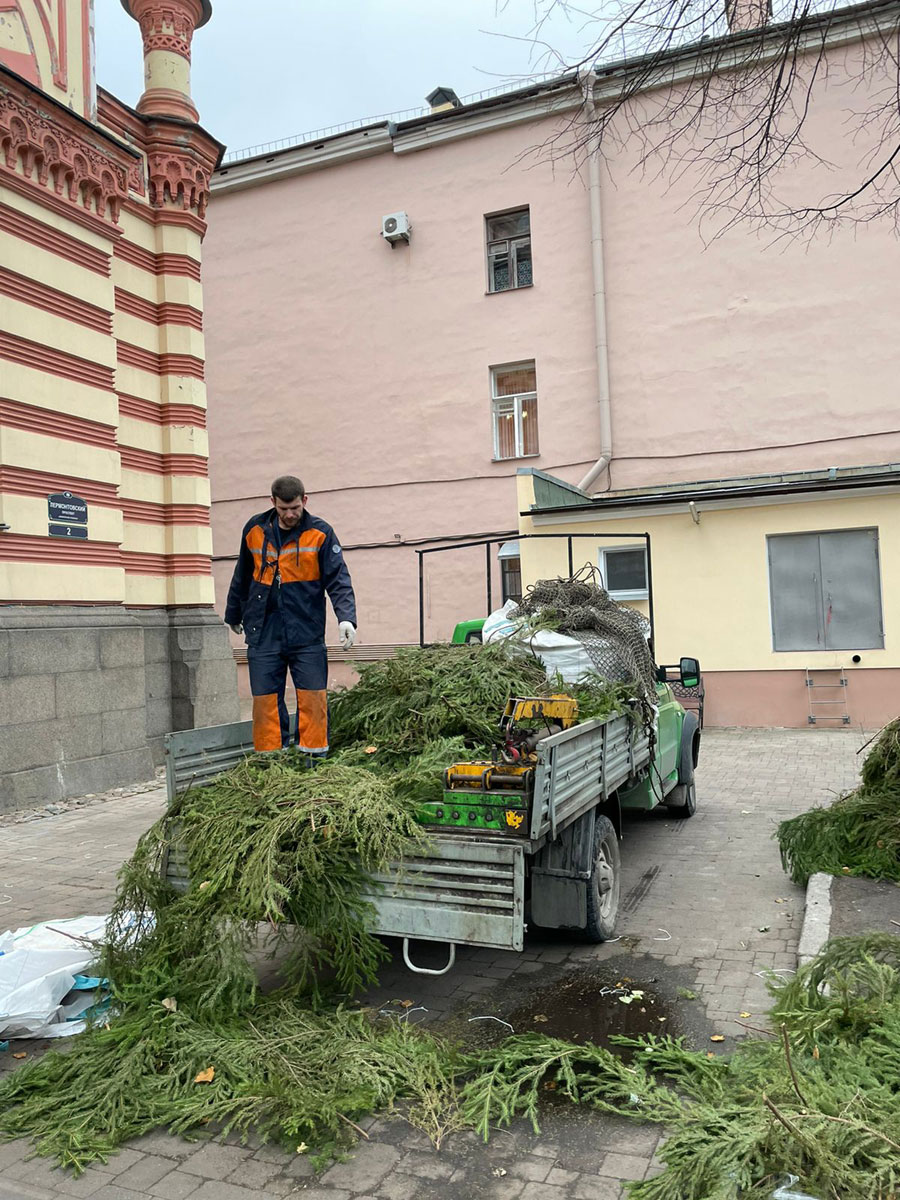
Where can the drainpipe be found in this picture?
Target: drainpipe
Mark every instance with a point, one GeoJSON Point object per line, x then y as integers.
{"type": "Point", "coordinates": [586, 79]}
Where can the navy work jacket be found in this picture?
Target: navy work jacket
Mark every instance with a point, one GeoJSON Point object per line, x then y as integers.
{"type": "Point", "coordinates": [309, 563]}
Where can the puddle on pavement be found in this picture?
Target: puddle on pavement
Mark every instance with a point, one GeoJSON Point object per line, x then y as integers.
{"type": "Point", "coordinates": [587, 1007]}
{"type": "Point", "coordinates": [583, 1005]}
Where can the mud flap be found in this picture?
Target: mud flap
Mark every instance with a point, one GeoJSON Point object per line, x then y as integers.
{"type": "Point", "coordinates": [560, 877]}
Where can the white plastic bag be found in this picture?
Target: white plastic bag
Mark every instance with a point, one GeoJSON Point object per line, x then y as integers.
{"type": "Point", "coordinates": [499, 624]}
{"type": "Point", "coordinates": [560, 654]}
{"type": "Point", "coordinates": [38, 966]}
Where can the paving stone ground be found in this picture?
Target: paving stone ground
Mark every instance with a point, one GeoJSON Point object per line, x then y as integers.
{"type": "Point", "coordinates": [705, 905]}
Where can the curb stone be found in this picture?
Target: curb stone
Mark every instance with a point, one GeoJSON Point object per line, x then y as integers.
{"type": "Point", "coordinates": [816, 918]}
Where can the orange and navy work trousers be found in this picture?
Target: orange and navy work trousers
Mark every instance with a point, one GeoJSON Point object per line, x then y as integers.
{"type": "Point", "coordinates": [308, 665]}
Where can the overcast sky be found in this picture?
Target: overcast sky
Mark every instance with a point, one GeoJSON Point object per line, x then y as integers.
{"type": "Point", "coordinates": [268, 69]}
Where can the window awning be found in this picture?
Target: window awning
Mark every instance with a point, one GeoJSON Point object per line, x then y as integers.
{"type": "Point", "coordinates": [508, 550]}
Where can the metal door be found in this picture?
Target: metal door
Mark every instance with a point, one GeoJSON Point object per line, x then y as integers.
{"type": "Point", "coordinates": [826, 590]}
{"type": "Point", "coordinates": [851, 590]}
{"type": "Point", "coordinates": [795, 588]}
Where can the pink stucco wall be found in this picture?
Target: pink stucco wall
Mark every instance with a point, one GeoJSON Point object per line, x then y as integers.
{"type": "Point", "coordinates": [366, 369]}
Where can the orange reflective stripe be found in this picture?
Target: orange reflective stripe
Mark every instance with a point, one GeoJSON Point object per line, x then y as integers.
{"type": "Point", "coordinates": [266, 723]}
{"type": "Point", "coordinates": [312, 720]}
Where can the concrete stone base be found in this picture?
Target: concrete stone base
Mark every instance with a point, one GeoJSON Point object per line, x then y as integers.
{"type": "Point", "coordinates": [88, 693]}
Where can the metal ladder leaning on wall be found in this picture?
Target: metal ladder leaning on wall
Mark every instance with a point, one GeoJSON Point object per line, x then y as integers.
{"type": "Point", "coordinates": [838, 707]}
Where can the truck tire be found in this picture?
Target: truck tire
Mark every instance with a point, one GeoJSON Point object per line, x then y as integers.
{"type": "Point", "coordinates": [682, 800]}
{"type": "Point", "coordinates": [603, 886]}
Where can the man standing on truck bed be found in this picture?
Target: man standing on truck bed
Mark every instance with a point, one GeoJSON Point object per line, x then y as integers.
{"type": "Point", "coordinates": [287, 562]}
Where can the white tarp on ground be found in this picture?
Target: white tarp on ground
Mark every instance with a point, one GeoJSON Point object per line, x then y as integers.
{"type": "Point", "coordinates": [39, 968]}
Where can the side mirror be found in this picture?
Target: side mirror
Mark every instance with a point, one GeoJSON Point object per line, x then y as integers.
{"type": "Point", "coordinates": [689, 671]}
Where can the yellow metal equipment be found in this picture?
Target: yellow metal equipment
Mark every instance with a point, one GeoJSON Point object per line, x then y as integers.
{"type": "Point", "coordinates": [497, 795]}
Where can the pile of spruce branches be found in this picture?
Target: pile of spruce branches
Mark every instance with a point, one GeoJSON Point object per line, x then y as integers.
{"type": "Point", "coordinates": [859, 834]}
{"type": "Point", "coordinates": [193, 1047]}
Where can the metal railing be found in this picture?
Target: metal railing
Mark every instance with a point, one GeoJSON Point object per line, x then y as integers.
{"type": "Point", "coordinates": [403, 114]}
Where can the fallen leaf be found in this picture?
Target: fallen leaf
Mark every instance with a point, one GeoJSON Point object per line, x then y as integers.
{"type": "Point", "coordinates": [746, 1014]}
{"type": "Point", "coordinates": [206, 1076]}
{"type": "Point", "coordinates": [550, 1085]}
{"type": "Point", "coordinates": [21, 1054]}
{"type": "Point", "coordinates": [815, 1052]}
{"type": "Point", "coordinates": [540, 1017]}
{"type": "Point", "coordinates": [686, 994]}
{"type": "Point", "coordinates": [717, 1037]}
{"type": "Point", "coordinates": [406, 1003]}
{"type": "Point", "coordinates": [625, 999]}
{"type": "Point", "coordinates": [302, 1148]}
{"type": "Point", "coordinates": [662, 1018]}
{"type": "Point", "coordinates": [711, 1054]}
{"type": "Point", "coordinates": [371, 750]}
{"type": "Point", "coordinates": [498, 1172]}
{"type": "Point", "coordinates": [638, 994]}
{"type": "Point", "coordinates": [780, 900]}
{"type": "Point", "coordinates": [846, 870]}
{"type": "Point", "coordinates": [204, 885]}
{"type": "Point", "coordinates": [170, 1004]}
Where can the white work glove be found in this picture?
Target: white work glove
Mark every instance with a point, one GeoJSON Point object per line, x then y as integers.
{"type": "Point", "coordinates": [348, 634]}
{"type": "Point", "coordinates": [238, 629]}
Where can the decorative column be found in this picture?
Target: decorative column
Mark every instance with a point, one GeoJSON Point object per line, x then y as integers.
{"type": "Point", "coordinates": [167, 27]}
{"type": "Point", "coordinates": [167, 542]}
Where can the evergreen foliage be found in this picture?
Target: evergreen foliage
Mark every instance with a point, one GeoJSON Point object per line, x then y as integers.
{"type": "Point", "coordinates": [194, 1048]}
{"type": "Point", "coordinates": [859, 834]}
{"type": "Point", "coordinates": [403, 704]}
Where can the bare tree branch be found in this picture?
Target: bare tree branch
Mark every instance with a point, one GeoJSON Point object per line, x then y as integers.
{"type": "Point", "coordinates": [734, 116]}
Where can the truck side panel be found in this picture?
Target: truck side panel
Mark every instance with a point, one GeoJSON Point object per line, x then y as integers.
{"type": "Point", "coordinates": [582, 766]}
{"type": "Point", "coordinates": [472, 892]}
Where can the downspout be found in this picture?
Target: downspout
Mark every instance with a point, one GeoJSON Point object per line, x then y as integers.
{"type": "Point", "coordinates": [586, 80]}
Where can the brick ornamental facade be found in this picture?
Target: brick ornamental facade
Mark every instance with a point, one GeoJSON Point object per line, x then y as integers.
{"type": "Point", "coordinates": [108, 638]}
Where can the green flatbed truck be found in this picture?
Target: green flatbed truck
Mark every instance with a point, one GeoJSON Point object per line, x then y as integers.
{"type": "Point", "coordinates": [558, 868]}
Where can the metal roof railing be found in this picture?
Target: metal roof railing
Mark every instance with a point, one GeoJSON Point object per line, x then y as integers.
{"type": "Point", "coordinates": [403, 114]}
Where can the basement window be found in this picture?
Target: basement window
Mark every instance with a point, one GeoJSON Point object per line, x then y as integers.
{"type": "Point", "coordinates": [514, 409]}
{"type": "Point", "coordinates": [509, 250]}
{"type": "Point", "coordinates": [624, 571]}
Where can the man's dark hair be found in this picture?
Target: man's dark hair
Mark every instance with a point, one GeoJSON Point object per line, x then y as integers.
{"type": "Point", "coordinates": [288, 488]}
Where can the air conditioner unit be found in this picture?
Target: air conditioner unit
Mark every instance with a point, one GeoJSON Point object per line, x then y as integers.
{"type": "Point", "coordinates": [395, 227]}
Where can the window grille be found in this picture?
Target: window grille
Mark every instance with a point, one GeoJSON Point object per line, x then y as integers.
{"type": "Point", "coordinates": [509, 250]}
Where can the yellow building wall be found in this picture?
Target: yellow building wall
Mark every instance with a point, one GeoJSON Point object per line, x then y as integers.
{"type": "Point", "coordinates": [710, 581]}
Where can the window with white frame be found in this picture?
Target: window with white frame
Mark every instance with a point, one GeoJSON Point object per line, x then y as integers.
{"type": "Point", "coordinates": [624, 571]}
{"type": "Point", "coordinates": [825, 590]}
{"type": "Point", "coordinates": [509, 250]}
{"type": "Point", "coordinates": [514, 405]}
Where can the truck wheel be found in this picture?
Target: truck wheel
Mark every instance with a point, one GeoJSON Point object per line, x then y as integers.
{"type": "Point", "coordinates": [682, 800]}
{"type": "Point", "coordinates": [603, 888]}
